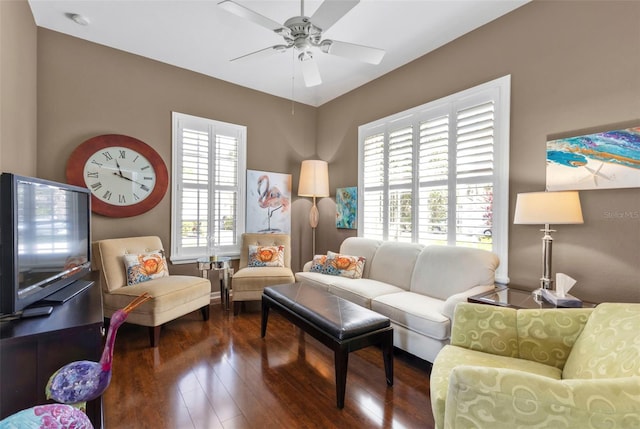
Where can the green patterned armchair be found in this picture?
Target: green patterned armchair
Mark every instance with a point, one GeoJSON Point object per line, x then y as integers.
{"type": "Point", "coordinates": [543, 368]}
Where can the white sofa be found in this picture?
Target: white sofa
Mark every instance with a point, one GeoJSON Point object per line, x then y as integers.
{"type": "Point", "coordinates": [416, 286]}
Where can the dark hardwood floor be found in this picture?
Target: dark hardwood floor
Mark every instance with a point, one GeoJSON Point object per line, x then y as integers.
{"type": "Point", "coordinates": [221, 374]}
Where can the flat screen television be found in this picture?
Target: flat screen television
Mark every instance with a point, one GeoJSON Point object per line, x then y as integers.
{"type": "Point", "coordinates": [45, 240]}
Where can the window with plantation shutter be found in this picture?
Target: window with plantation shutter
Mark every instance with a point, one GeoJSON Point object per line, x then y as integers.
{"type": "Point", "coordinates": [438, 173]}
{"type": "Point", "coordinates": [207, 183]}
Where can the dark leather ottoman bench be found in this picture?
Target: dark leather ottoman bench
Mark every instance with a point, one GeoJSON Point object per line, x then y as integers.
{"type": "Point", "coordinates": [337, 323]}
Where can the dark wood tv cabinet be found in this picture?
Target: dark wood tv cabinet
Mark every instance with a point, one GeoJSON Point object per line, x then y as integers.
{"type": "Point", "coordinates": [33, 349]}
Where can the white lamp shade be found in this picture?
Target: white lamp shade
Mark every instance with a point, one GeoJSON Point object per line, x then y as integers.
{"type": "Point", "coordinates": [548, 208]}
{"type": "Point", "coordinates": [314, 179]}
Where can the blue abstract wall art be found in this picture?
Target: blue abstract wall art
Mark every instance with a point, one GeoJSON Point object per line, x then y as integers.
{"type": "Point", "coordinates": [347, 208]}
{"type": "Point", "coordinates": [595, 161]}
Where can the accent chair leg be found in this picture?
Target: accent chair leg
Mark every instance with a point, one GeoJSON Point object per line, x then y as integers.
{"type": "Point", "coordinates": [205, 312]}
{"type": "Point", "coordinates": [236, 307]}
{"type": "Point", "coordinates": [154, 335]}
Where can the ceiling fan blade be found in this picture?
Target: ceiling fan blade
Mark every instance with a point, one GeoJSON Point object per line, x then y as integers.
{"type": "Point", "coordinates": [350, 50]}
{"type": "Point", "coordinates": [330, 11]}
{"type": "Point", "coordinates": [310, 72]}
{"type": "Point", "coordinates": [246, 13]}
{"type": "Point", "coordinates": [262, 53]}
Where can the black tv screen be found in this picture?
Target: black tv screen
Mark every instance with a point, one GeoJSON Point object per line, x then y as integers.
{"type": "Point", "coordinates": [45, 239]}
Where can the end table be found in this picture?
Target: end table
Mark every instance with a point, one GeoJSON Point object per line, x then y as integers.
{"type": "Point", "coordinates": [222, 266]}
{"type": "Point", "coordinates": [515, 298]}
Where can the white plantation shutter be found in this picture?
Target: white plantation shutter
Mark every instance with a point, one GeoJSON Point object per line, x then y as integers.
{"type": "Point", "coordinates": [208, 178]}
{"type": "Point", "coordinates": [400, 184]}
{"type": "Point", "coordinates": [474, 173]}
{"type": "Point", "coordinates": [438, 173]}
{"type": "Point", "coordinates": [373, 216]}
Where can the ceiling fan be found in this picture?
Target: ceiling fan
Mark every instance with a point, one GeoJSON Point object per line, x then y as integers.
{"type": "Point", "coordinates": [304, 35]}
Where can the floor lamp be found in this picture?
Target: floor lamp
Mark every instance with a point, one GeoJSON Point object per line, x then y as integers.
{"type": "Point", "coordinates": [314, 182]}
{"type": "Point", "coordinates": [535, 208]}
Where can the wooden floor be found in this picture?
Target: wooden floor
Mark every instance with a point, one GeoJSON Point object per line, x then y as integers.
{"type": "Point", "coordinates": [221, 374]}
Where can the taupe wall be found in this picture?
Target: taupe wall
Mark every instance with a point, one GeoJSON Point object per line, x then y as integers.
{"type": "Point", "coordinates": [85, 89]}
{"type": "Point", "coordinates": [18, 59]}
{"type": "Point", "coordinates": [574, 66]}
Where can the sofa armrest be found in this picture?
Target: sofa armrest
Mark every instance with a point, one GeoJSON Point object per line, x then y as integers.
{"type": "Point", "coordinates": [504, 398]}
{"type": "Point", "coordinates": [451, 302]}
{"type": "Point", "coordinates": [307, 266]}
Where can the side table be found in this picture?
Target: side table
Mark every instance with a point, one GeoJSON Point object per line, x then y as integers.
{"type": "Point", "coordinates": [222, 266]}
{"type": "Point", "coordinates": [515, 298]}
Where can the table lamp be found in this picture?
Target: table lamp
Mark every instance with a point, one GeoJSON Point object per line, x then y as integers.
{"type": "Point", "coordinates": [314, 182]}
{"type": "Point", "coordinates": [547, 208]}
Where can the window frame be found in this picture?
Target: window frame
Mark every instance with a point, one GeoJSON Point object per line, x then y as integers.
{"type": "Point", "coordinates": [498, 90]}
{"type": "Point", "coordinates": [183, 255]}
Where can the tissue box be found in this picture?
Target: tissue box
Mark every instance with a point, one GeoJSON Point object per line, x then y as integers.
{"type": "Point", "coordinates": [567, 300]}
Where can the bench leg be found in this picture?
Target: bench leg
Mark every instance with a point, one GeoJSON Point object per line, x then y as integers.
{"type": "Point", "coordinates": [387, 356]}
{"type": "Point", "coordinates": [341, 358]}
{"type": "Point", "coordinates": [265, 318]}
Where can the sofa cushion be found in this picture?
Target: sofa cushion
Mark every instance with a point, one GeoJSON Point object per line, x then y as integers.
{"type": "Point", "coordinates": [361, 291]}
{"type": "Point", "coordinates": [167, 293]}
{"type": "Point", "coordinates": [442, 271]}
{"type": "Point", "coordinates": [365, 247]}
{"type": "Point", "coordinates": [319, 280]}
{"type": "Point", "coordinates": [418, 313]}
{"type": "Point", "coordinates": [393, 263]}
{"type": "Point", "coordinates": [609, 345]}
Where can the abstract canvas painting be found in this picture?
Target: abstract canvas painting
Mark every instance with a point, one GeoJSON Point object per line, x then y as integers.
{"type": "Point", "coordinates": [268, 202]}
{"type": "Point", "coordinates": [595, 161]}
{"type": "Point", "coordinates": [347, 208]}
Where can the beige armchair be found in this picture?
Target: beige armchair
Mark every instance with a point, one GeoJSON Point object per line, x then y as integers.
{"type": "Point", "coordinates": [248, 282]}
{"type": "Point", "coordinates": [173, 296]}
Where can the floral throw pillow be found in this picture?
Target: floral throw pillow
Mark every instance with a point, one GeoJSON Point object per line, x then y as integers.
{"type": "Point", "coordinates": [344, 265]}
{"type": "Point", "coordinates": [146, 266]}
{"type": "Point", "coordinates": [266, 256]}
{"type": "Point", "coordinates": [318, 264]}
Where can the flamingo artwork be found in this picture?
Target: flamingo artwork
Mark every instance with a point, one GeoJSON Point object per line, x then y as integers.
{"type": "Point", "coordinates": [73, 385]}
{"type": "Point", "coordinates": [272, 199]}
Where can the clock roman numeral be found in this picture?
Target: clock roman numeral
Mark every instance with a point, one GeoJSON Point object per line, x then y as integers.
{"type": "Point", "coordinates": [146, 167]}
{"type": "Point", "coordinates": [135, 196]}
{"type": "Point", "coordinates": [96, 186]}
{"type": "Point", "coordinates": [94, 162]}
{"type": "Point", "coordinates": [136, 158]}
{"type": "Point", "coordinates": [122, 199]}
{"type": "Point", "coordinates": [107, 195]}
{"type": "Point", "coordinates": [92, 174]}
{"type": "Point", "coordinates": [147, 178]}
{"type": "Point", "coordinates": [107, 156]}
{"type": "Point", "coordinates": [122, 154]}
{"type": "Point", "coordinates": [144, 188]}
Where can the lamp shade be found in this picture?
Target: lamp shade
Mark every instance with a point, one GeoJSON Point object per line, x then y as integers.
{"type": "Point", "coordinates": [548, 208]}
{"type": "Point", "coordinates": [314, 179]}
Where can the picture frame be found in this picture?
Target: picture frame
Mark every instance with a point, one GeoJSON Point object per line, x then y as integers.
{"type": "Point", "coordinates": [347, 208]}
{"type": "Point", "coordinates": [268, 202]}
{"type": "Point", "coordinates": [605, 160]}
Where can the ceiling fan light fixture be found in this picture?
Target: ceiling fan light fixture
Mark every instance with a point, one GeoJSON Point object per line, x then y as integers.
{"type": "Point", "coordinates": [325, 46]}
{"type": "Point", "coordinates": [78, 19]}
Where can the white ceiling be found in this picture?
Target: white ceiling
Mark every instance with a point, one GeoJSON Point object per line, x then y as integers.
{"type": "Point", "coordinates": [200, 36]}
